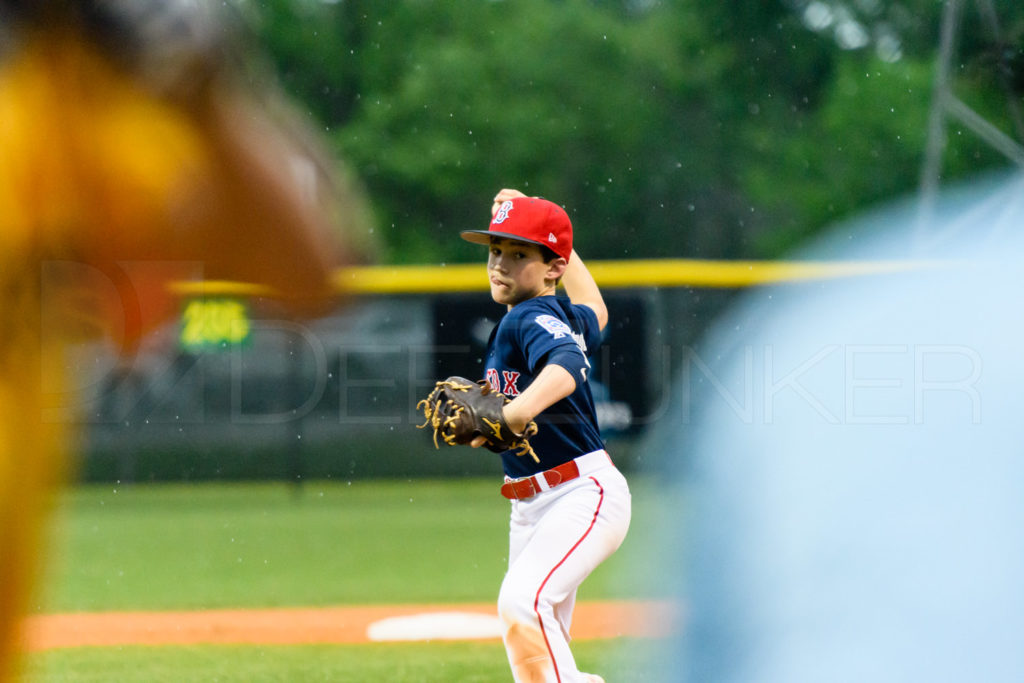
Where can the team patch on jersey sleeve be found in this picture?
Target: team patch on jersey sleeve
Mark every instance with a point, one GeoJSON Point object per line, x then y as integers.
{"type": "Point", "coordinates": [556, 327]}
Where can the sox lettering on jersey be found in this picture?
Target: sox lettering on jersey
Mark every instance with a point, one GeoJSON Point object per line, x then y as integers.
{"type": "Point", "coordinates": [510, 385]}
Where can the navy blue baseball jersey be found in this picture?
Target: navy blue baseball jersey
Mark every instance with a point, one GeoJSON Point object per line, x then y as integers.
{"type": "Point", "coordinates": [532, 334]}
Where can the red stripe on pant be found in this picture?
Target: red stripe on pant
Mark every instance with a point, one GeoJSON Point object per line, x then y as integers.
{"type": "Point", "coordinates": [543, 583]}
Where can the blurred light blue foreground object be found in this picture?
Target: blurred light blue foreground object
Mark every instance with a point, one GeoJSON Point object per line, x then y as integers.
{"type": "Point", "coordinates": [856, 456]}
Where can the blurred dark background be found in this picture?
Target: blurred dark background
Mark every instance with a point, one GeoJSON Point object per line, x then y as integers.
{"type": "Point", "coordinates": [692, 129]}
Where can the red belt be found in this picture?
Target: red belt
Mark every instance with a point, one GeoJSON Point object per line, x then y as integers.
{"type": "Point", "coordinates": [517, 489]}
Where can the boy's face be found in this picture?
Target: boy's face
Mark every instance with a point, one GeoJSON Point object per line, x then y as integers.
{"type": "Point", "coordinates": [518, 272]}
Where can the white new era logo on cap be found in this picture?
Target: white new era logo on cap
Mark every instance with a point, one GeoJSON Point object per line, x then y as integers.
{"type": "Point", "coordinates": [552, 238]}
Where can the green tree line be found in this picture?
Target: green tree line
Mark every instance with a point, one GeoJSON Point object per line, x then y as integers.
{"type": "Point", "coordinates": [688, 128]}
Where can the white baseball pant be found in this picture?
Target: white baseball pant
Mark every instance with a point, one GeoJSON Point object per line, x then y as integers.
{"type": "Point", "coordinates": [556, 538]}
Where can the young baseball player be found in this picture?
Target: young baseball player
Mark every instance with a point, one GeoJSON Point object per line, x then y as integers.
{"type": "Point", "coordinates": [570, 505]}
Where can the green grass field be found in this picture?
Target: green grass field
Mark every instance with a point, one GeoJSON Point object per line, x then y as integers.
{"type": "Point", "coordinates": [194, 546]}
{"type": "Point", "coordinates": [623, 661]}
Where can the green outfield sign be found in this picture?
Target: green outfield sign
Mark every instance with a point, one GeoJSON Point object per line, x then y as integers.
{"type": "Point", "coordinates": [211, 323]}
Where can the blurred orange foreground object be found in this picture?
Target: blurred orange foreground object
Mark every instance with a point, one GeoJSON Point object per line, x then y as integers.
{"type": "Point", "coordinates": [111, 189]}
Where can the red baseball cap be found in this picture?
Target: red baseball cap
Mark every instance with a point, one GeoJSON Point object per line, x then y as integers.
{"type": "Point", "coordinates": [528, 219]}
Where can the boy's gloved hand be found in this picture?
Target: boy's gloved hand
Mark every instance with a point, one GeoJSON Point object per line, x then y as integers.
{"type": "Point", "coordinates": [460, 411]}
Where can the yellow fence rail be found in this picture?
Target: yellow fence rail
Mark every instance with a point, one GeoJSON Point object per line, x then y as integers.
{"type": "Point", "coordinates": [608, 274]}
{"type": "Point", "coordinates": [618, 274]}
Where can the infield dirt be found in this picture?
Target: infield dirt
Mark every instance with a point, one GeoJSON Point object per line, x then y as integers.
{"type": "Point", "coordinates": [326, 625]}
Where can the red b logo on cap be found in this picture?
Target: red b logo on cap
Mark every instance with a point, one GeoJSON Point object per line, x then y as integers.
{"type": "Point", "coordinates": [503, 210]}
